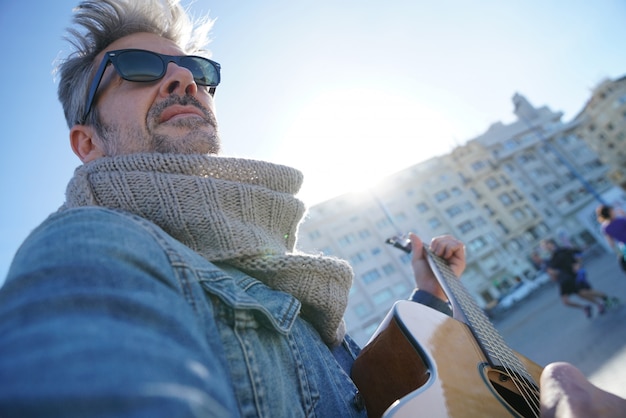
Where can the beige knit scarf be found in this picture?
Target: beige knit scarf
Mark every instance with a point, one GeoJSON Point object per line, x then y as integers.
{"type": "Point", "coordinates": [240, 212]}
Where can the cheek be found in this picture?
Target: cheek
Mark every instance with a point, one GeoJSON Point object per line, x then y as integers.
{"type": "Point", "coordinates": [123, 110]}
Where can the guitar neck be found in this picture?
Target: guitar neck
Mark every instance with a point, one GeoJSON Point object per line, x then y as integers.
{"type": "Point", "coordinates": [466, 310]}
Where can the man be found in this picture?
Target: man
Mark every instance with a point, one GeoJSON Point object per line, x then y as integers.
{"type": "Point", "coordinates": [565, 267]}
{"type": "Point", "coordinates": [167, 284]}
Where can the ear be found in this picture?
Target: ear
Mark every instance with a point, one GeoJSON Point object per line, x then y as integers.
{"type": "Point", "coordinates": [84, 143]}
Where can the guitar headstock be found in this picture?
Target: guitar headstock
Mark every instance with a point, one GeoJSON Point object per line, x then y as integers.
{"type": "Point", "coordinates": [401, 242]}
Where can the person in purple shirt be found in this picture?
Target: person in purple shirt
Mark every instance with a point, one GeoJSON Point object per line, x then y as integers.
{"type": "Point", "coordinates": [613, 222]}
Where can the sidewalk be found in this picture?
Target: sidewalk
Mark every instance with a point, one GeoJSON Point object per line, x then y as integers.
{"type": "Point", "coordinates": [544, 330]}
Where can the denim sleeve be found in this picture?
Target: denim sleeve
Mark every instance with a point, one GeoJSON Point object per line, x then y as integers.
{"type": "Point", "coordinates": [92, 323]}
{"type": "Point", "coordinates": [431, 301]}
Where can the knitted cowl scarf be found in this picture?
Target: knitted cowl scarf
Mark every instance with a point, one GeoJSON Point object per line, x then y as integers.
{"type": "Point", "coordinates": [236, 211]}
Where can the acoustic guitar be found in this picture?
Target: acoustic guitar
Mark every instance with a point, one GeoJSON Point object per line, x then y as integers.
{"type": "Point", "coordinates": [423, 363]}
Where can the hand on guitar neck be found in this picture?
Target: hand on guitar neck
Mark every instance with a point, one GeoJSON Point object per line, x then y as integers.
{"type": "Point", "coordinates": [447, 247]}
{"type": "Point", "coordinates": [423, 362]}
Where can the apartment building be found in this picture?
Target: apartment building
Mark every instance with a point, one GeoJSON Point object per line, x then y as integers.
{"type": "Point", "coordinates": [501, 193]}
{"type": "Point", "coordinates": [602, 123]}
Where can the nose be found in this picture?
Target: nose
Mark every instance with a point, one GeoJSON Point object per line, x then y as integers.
{"type": "Point", "coordinates": [178, 80]}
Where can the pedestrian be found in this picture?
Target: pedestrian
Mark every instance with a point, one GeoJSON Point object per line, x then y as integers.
{"type": "Point", "coordinates": [167, 285]}
{"type": "Point", "coordinates": [613, 224]}
{"type": "Point", "coordinates": [565, 267]}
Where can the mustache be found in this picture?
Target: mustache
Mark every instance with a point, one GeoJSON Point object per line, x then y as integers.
{"type": "Point", "coordinates": [155, 112]}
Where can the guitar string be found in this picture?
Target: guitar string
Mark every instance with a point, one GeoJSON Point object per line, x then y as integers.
{"type": "Point", "coordinates": [480, 324]}
{"type": "Point", "coordinates": [508, 360]}
{"type": "Point", "coordinates": [517, 372]}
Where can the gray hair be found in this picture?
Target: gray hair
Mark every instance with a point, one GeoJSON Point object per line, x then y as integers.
{"type": "Point", "coordinates": [106, 21]}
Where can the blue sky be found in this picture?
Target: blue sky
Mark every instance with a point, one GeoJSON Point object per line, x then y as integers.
{"type": "Point", "coordinates": [347, 91]}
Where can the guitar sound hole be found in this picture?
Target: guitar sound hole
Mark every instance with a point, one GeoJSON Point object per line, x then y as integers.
{"type": "Point", "coordinates": [504, 386]}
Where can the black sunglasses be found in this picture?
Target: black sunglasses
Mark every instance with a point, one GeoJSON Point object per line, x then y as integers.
{"type": "Point", "coordinates": [142, 66]}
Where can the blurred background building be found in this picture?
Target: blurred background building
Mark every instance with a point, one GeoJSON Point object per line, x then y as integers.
{"type": "Point", "coordinates": [501, 193]}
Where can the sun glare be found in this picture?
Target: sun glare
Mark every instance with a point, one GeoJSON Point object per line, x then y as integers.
{"type": "Point", "coordinates": [346, 139]}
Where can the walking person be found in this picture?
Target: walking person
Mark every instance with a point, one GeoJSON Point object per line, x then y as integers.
{"type": "Point", "coordinates": [565, 267]}
{"type": "Point", "coordinates": [613, 224]}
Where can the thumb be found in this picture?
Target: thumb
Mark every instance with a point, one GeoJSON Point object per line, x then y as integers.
{"type": "Point", "coordinates": [417, 247]}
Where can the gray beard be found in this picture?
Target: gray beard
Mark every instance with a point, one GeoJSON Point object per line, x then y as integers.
{"type": "Point", "coordinates": [194, 142]}
{"type": "Point", "coordinates": [115, 140]}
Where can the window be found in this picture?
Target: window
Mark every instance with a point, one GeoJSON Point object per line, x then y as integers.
{"type": "Point", "coordinates": [526, 158]}
{"type": "Point", "coordinates": [478, 165]}
{"type": "Point", "coordinates": [441, 196]}
{"type": "Point", "coordinates": [505, 199]}
{"type": "Point", "coordinates": [492, 183]}
{"type": "Point", "coordinates": [364, 233]}
{"type": "Point", "coordinates": [477, 244]}
{"type": "Point", "coordinates": [434, 223]}
{"type": "Point", "coordinates": [421, 207]}
{"type": "Point", "coordinates": [358, 257]}
{"type": "Point", "coordinates": [454, 210]}
{"type": "Point", "coordinates": [518, 214]}
{"type": "Point", "coordinates": [543, 228]}
{"type": "Point", "coordinates": [371, 276]}
{"type": "Point", "coordinates": [389, 269]}
{"type": "Point", "coordinates": [455, 191]}
{"type": "Point", "coordinates": [466, 226]}
{"type": "Point", "coordinates": [515, 245]}
{"type": "Point", "coordinates": [466, 206]}
{"type": "Point", "coordinates": [510, 144]}
{"type": "Point", "coordinates": [346, 240]}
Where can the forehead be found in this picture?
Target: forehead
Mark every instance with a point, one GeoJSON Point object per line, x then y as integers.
{"type": "Point", "coordinates": [143, 40]}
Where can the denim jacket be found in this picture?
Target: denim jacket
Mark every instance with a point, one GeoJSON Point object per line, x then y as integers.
{"type": "Point", "coordinates": [104, 314]}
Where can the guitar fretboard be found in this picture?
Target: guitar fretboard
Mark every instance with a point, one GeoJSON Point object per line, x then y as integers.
{"type": "Point", "coordinates": [465, 309]}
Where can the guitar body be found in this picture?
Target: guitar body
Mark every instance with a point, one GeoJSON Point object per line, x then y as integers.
{"type": "Point", "coordinates": [422, 362]}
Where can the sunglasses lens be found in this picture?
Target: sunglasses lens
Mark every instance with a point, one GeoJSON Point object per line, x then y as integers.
{"type": "Point", "coordinates": [140, 66]}
{"type": "Point", "coordinates": [204, 72]}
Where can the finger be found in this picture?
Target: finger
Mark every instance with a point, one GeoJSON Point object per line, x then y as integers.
{"type": "Point", "coordinates": [450, 249]}
{"type": "Point", "coordinates": [443, 246]}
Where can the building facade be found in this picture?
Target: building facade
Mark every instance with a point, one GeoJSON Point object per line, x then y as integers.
{"type": "Point", "coordinates": [501, 193]}
{"type": "Point", "coordinates": [602, 123]}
